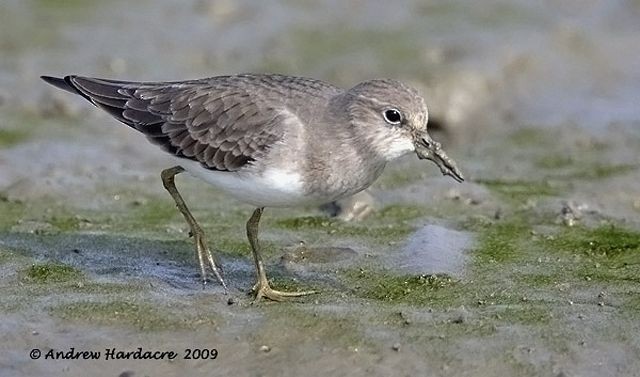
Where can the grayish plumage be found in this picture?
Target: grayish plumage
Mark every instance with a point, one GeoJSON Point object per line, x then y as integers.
{"type": "Point", "coordinates": [270, 140]}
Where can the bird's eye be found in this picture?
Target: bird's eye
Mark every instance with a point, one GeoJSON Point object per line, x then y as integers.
{"type": "Point", "coordinates": [392, 116]}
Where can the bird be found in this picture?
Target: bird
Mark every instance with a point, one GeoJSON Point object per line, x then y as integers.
{"type": "Point", "coordinates": [269, 140]}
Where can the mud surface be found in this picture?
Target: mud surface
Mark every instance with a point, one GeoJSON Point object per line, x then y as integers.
{"type": "Point", "coordinates": [531, 267]}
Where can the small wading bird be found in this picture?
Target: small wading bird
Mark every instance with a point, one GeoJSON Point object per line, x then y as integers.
{"type": "Point", "coordinates": [269, 140]}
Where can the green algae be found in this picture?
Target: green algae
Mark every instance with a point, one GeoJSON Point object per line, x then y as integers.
{"type": "Point", "coordinates": [609, 241]}
{"type": "Point", "coordinates": [29, 292]}
{"type": "Point", "coordinates": [389, 224]}
{"type": "Point", "coordinates": [518, 190]}
{"type": "Point", "coordinates": [16, 212]}
{"type": "Point", "coordinates": [143, 316]}
{"type": "Point", "coordinates": [445, 295]}
{"type": "Point", "coordinates": [500, 242]}
{"type": "Point", "coordinates": [476, 223]}
{"type": "Point", "coordinates": [51, 273]}
{"type": "Point", "coordinates": [290, 284]}
{"type": "Point", "coordinates": [65, 223]}
{"type": "Point", "coordinates": [502, 15]}
{"type": "Point", "coordinates": [380, 233]}
{"type": "Point", "coordinates": [239, 247]}
{"type": "Point", "coordinates": [391, 288]}
{"type": "Point", "coordinates": [306, 222]}
{"type": "Point", "coordinates": [144, 215]}
{"type": "Point", "coordinates": [541, 279]}
{"type": "Point", "coordinates": [34, 281]}
{"type": "Point", "coordinates": [632, 303]}
{"type": "Point", "coordinates": [10, 137]}
{"type": "Point", "coordinates": [600, 171]}
{"type": "Point", "coordinates": [580, 165]}
{"type": "Point", "coordinates": [155, 213]}
{"type": "Point", "coordinates": [530, 314]}
{"type": "Point", "coordinates": [5, 256]}
{"type": "Point", "coordinates": [320, 327]}
{"type": "Point", "coordinates": [608, 253]}
{"type": "Point", "coordinates": [554, 161]}
{"type": "Point", "coordinates": [12, 212]}
{"type": "Point", "coordinates": [531, 137]}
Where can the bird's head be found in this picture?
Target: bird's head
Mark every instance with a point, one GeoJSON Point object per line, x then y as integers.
{"type": "Point", "coordinates": [394, 115]}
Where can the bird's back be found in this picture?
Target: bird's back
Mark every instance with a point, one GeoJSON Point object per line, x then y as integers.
{"type": "Point", "coordinates": [223, 123]}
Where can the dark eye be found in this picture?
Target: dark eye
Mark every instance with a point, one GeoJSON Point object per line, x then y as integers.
{"type": "Point", "coordinates": [392, 116]}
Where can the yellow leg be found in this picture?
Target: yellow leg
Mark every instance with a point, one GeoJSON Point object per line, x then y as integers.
{"type": "Point", "coordinates": [205, 257]}
{"type": "Point", "coordinates": [262, 288]}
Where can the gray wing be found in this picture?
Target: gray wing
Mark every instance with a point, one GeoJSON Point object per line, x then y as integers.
{"type": "Point", "coordinates": [217, 123]}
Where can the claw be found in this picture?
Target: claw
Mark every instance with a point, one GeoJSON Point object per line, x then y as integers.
{"type": "Point", "coordinates": [263, 289]}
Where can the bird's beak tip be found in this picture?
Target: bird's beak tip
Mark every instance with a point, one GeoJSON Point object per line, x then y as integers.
{"type": "Point", "coordinates": [427, 148]}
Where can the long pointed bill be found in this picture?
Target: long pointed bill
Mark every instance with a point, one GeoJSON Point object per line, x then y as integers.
{"type": "Point", "coordinates": [427, 148]}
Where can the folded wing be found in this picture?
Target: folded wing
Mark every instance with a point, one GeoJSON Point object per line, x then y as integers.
{"type": "Point", "coordinates": [217, 123]}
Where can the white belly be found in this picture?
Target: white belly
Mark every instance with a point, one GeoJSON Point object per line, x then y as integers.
{"type": "Point", "coordinates": [271, 188]}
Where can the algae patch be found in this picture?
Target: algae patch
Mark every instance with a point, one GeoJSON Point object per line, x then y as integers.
{"type": "Point", "coordinates": [518, 190]}
{"type": "Point", "coordinates": [289, 284]}
{"type": "Point", "coordinates": [140, 315]}
{"type": "Point", "coordinates": [155, 213]}
{"type": "Point", "coordinates": [389, 224]}
{"type": "Point", "coordinates": [528, 136]}
{"type": "Point", "coordinates": [554, 161]}
{"type": "Point", "coordinates": [381, 233]}
{"type": "Point", "coordinates": [600, 171]}
{"type": "Point", "coordinates": [606, 241]}
{"type": "Point", "coordinates": [607, 253]}
{"type": "Point", "coordinates": [529, 314]}
{"type": "Point", "coordinates": [12, 137]}
{"type": "Point", "coordinates": [51, 273]}
{"type": "Point", "coordinates": [320, 327]}
{"type": "Point", "coordinates": [412, 289]}
{"type": "Point", "coordinates": [500, 242]}
{"type": "Point", "coordinates": [65, 223]}
{"type": "Point", "coordinates": [579, 167]}
{"type": "Point", "coordinates": [12, 212]}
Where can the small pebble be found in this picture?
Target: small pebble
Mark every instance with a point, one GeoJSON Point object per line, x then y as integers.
{"type": "Point", "coordinates": [265, 348]}
{"type": "Point", "coordinates": [396, 347]}
{"type": "Point", "coordinates": [231, 301]}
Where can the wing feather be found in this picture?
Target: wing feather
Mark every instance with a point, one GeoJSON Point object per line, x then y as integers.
{"type": "Point", "coordinates": [223, 126]}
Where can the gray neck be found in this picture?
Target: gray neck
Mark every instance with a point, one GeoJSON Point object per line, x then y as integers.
{"type": "Point", "coordinates": [338, 156]}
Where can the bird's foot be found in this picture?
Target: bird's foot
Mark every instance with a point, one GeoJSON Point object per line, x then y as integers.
{"type": "Point", "coordinates": [206, 260]}
{"type": "Point", "coordinates": [263, 289]}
